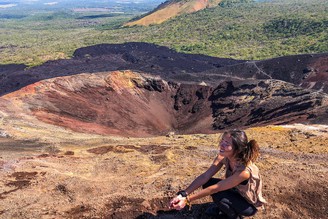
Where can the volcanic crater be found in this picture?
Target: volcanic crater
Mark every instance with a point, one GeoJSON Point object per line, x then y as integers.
{"type": "Point", "coordinates": [126, 103]}
{"type": "Point", "coordinates": [68, 126]}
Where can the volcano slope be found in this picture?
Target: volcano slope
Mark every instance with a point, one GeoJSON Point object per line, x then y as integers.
{"type": "Point", "coordinates": [308, 70]}
{"type": "Point", "coordinates": [68, 128]}
{"type": "Point", "coordinates": [124, 103]}
{"type": "Point", "coordinates": [170, 9]}
{"type": "Point", "coordinates": [54, 163]}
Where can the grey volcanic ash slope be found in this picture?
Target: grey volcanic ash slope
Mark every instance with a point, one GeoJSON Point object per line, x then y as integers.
{"type": "Point", "coordinates": [140, 57]}
{"type": "Point", "coordinates": [308, 71]}
{"type": "Point", "coordinates": [129, 104]}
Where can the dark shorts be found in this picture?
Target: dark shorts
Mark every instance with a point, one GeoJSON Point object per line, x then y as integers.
{"type": "Point", "coordinates": [231, 202]}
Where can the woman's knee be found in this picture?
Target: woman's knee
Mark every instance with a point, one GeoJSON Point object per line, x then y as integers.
{"type": "Point", "coordinates": [250, 211]}
{"type": "Point", "coordinates": [232, 204]}
{"type": "Point", "coordinates": [226, 207]}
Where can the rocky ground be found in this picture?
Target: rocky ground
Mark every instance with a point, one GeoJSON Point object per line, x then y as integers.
{"type": "Point", "coordinates": [92, 176]}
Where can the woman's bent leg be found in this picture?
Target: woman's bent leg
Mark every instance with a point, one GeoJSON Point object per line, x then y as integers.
{"type": "Point", "coordinates": [231, 202]}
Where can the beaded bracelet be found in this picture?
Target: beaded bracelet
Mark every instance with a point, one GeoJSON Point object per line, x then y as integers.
{"type": "Point", "coordinates": [188, 202]}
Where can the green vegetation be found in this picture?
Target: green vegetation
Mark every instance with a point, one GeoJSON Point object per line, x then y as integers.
{"type": "Point", "coordinates": [232, 3]}
{"type": "Point", "coordinates": [246, 31]}
{"type": "Point", "coordinates": [53, 35]}
{"type": "Point", "coordinates": [292, 27]}
{"type": "Point", "coordinates": [257, 30]}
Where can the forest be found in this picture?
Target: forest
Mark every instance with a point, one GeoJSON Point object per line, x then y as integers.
{"type": "Point", "coordinates": [245, 30]}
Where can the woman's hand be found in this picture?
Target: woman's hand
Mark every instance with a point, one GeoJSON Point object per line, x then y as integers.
{"type": "Point", "coordinates": [178, 202]}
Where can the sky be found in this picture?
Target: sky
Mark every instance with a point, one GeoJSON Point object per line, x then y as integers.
{"type": "Point", "coordinates": [140, 5]}
{"type": "Point", "coordinates": [34, 1]}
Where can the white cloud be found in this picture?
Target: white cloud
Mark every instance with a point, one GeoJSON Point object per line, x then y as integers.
{"type": "Point", "coordinates": [8, 5]}
{"type": "Point", "coordinates": [51, 3]}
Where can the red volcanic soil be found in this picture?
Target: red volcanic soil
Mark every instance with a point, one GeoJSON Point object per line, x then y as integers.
{"type": "Point", "coordinates": [170, 9]}
{"type": "Point", "coordinates": [119, 103]}
{"type": "Point", "coordinates": [125, 103]}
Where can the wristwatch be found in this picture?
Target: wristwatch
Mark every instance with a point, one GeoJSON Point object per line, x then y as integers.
{"type": "Point", "coordinates": [183, 193]}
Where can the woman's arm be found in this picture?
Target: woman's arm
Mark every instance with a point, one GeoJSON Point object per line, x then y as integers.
{"type": "Point", "coordinates": [179, 202]}
{"type": "Point", "coordinates": [204, 177]}
{"type": "Point", "coordinates": [225, 184]}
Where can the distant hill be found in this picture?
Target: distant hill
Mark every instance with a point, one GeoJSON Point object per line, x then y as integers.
{"type": "Point", "coordinates": [172, 8]}
{"type": "Point", "coordinates": [243, 31]}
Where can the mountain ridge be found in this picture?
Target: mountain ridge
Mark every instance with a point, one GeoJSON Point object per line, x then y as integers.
{"type": "Point", "coordinates": [170, 9]}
